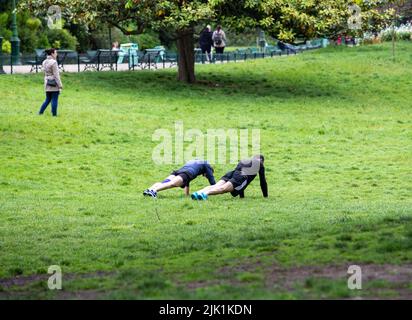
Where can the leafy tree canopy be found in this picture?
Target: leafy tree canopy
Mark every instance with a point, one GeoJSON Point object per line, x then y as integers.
{"type": "Point", "coordinates": [283, 19]}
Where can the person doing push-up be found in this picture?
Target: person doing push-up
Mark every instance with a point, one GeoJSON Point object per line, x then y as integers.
{"type": "Point", "coordinates": [236, 181]}
{"type": "Point", "coordinates": [182, 177]}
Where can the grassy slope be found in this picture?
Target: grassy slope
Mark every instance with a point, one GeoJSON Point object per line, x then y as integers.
{"type": "Point", "coordinates": [336, 131]}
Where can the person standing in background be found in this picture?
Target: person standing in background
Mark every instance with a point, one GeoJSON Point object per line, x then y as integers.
{"type": "Point", "coordinates": [115, 46]}
{"type": "Point", "coordinates": [206, 42]}
{"type": "Point", "coordinates": [219, 40]}
{"type": "Point", "coordinates": [52, 82]}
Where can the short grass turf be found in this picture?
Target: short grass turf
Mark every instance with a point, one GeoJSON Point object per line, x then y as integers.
{"type": "Point", "coordinates": [336, 132]}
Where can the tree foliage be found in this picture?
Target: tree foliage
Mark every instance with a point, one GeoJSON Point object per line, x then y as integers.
{"type": "Point", "coordinates": [283, 19]}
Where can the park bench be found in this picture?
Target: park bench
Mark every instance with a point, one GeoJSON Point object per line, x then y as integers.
{"type": "Point", "coordinates": [288, 48]}
{"type": "Point", "coordinates": [314, 44]}
{"type": "Point", "coordinates": [90, 61]}
{"type": "Point", "coordinates": [36, 63]}
{"type": "Point", "coordinates": [150, 58]}
{"type": "Point", "coordinates": [100, 59]}
{"type": "Point", "coordinates": [299, 46]}
{"type": "Point", "coordinates": [273, 50]}
{"type": "Point", "coordinates": [107, 58]}
{"type": "Point", "coordinates": [40, 56]}
{"type": "Point", "coordinates": [63, 56]}
{"type": "Point", "coordinates": [170, 58]}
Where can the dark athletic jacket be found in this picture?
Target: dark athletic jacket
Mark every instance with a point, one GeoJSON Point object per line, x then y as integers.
{"type": "Point", "coordinates": [242, 167]}
{"type": "Point", "coordinates": [205, 40]}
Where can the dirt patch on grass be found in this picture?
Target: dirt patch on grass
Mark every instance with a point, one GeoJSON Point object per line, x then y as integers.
{"type": "Point", "coordinates": [385, 272]}
{"type": "Point", "coordinates": [22, 281]}
{"type": "Point", "coordinates": [80, 295]}
{"type": "Point", "coordinates": [396, 278]}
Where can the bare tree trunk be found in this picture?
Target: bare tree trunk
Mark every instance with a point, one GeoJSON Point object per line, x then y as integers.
{"type": "Point", "coordinates": [186, 49]}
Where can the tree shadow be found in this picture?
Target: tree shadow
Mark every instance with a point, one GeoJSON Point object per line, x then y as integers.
{"type": "Point", "coordinates": [282, 85]}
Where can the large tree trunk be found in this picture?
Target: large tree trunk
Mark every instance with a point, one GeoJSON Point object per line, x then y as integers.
{"type": "Point", "coordinates": [186, 61]}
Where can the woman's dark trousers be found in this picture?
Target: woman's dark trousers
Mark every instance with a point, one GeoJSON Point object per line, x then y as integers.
{"type": "Point", "coordinates": [52, 97]}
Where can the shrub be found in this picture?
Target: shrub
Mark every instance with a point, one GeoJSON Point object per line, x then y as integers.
{"type": "Point", "coordinates": [57, 44]}
{"type": "Point", "coordinates": [403, 32]}
{"type": "Point", "coordinates": [6, 47]}
{"type": "Point", "coordinates": [4, 24]}
{"type": "Point", "coordinates": [404, 35]}
{"type": "Point", "coordinates": [62, 39]}
{"type": "Point", "coordinates": [147, 40]}
{"type": "Point", "coordinates": [33, 23]}
{"type": "Point", "coordinates": [43, 42]}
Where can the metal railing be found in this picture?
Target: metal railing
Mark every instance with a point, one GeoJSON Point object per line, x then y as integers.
{"type": "Point", "coordinates": [109, 60]}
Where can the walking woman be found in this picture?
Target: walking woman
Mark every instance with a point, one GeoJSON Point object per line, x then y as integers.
{"type": "Point", "coordinates": [219, 40]}
{"type": "Point", "coordinates": [52, 82]}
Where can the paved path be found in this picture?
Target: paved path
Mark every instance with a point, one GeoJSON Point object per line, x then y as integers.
{"type": "Point", "coordinates": [73, 68]}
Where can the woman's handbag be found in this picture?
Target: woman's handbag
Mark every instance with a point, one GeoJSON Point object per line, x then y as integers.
{"type": "Point", "coordinates": [51, 83]}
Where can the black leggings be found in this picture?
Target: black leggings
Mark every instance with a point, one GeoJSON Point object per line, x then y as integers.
{"type": "Point", "coordinates": [220, 50]}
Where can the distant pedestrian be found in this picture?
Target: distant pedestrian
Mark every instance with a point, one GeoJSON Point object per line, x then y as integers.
{"type": "Point", "coordinates": [206, 42]}
{"type": "Point", "coordinates": [115, 46]}
{"type": "Point", "coordinates": [52, 82]}
{"type": "Point", "coordinates": [219, 40]}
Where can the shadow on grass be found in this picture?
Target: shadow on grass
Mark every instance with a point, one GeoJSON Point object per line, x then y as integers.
{"type": "Point", "coordinates": [214, 82]}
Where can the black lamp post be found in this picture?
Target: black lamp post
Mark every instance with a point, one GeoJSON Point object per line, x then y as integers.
{"type": "Point", "coordinates": [1, 56]}
{"type": "Point", "coordinates": [15, 41]}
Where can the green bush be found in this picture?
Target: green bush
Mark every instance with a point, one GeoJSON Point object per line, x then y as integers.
{"type": "Point", "coordinates": [62, 39]}
{"type": "Point", "coordinates": [387, 36]}
{"type": "Point", "coordinates": [146, 40]}
{"type": "Point", "coordinates": [402, 32]}
{"type": "Point", "coordinates": [57, 44]}
{"type": "Point", "coordinates": [43, 42]}
{"type": "Point", "coordinates": [33, 23]}
{"type": "Point", "coordinates": [6, 47]}
{"type": "Point", "coordinates": [404, 35]}
{"type": "Point", "coordinates": [4, 24]}
{"type": "Point", "coordinates": [28, 40]}
{"type": "Point", "coordinates": [34, 35]}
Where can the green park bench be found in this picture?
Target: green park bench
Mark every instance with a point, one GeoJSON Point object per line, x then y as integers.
{"type": "Point", "coordinates": [170, 58]}
{"type": "Point", "coordinates": [89, 61]}
{"type": "Point", "coordinates": [149, 58]}
{"type": "Point", "coordinates": [314, 44]}
{"type": "Point", "coordinates": [273, 50]}
{"type": "Point", "coordinates": [99, 60]}
{"type": "Point", "coordinates": [37, 62]}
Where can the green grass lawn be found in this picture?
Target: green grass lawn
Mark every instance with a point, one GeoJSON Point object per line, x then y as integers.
{"type": "Point", "coordinates": [336, 132]}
